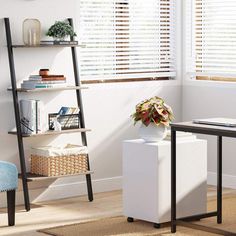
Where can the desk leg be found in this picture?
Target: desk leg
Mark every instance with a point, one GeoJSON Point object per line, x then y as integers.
{"type": "Point", "coordinates": [219, 179]}
{"type": "Point", "coordinates": [173, 181]}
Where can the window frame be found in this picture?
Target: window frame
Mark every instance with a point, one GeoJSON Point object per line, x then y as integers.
{"type": "Point", "coordinates": [140, 79]}
{"type": "Point", "coordinates": [192, 73]}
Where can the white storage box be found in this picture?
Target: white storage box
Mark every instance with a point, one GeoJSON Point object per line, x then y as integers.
{"type": "Point", "coordinates": [147, 179]}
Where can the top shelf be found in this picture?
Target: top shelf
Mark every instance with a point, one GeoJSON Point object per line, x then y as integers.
{"type": "Point", "coordinates": [46, 46]}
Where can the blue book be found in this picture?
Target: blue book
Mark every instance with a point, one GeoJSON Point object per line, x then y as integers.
{"type": "Point", "coordinates": [63, 111]}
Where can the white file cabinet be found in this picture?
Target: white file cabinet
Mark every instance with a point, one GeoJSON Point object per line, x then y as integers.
{"type": "Point", "coordinates": [147, 179]}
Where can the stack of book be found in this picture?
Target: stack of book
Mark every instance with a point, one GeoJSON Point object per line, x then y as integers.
{"type": "Point", "coordinates": [44, 81]}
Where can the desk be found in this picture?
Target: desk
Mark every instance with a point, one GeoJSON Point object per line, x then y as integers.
{"type": "Point", "coordinates": [220, 132]}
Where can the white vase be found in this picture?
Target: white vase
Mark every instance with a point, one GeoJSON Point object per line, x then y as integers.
{"type": "Point", "coordinates": [31, 32]}
{"type": "Point", "coordinates": [152, 132]}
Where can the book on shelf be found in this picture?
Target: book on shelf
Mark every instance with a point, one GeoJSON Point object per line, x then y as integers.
{"type": "Point", "coordinates": [53, 77]}
{"type": "Point", "coordinates": [68, 110]}
{"type": "Point", "coordinates": [44, 81]}
{"type": "Point", "coordinates": [30, 86]}
{"type": "Point", "coordinates": [63, 111]}
{"type": "Point", "coordinates": [35, 77]}
{"type": "Point", "coordinates": [31, 115]}
{"type": "Point", "coordinates": [47, 81]}
{"type": "Point", "coordinates": [46, 42]}
{"type": "Point", "coordinates": [47, 77]}
{"type": "Point", "coordinates": [49, 42]}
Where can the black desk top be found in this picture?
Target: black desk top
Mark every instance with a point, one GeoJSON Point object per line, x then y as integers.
{"type": "Point", "coordinates": [204, 129]}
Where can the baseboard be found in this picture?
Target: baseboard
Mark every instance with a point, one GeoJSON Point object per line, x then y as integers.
{"type": "Point", "coordinates": [67, 190]}
{"type": "Point", "coordinates": [229, 181]}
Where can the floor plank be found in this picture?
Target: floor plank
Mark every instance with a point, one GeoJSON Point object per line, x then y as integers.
{"type": "Point", "coordinates": [68, 211]}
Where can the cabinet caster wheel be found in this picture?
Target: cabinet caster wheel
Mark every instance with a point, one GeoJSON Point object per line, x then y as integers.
{"type": "Point", "coordinates": [130, 219]}
{"type": "Point", "coordinates": [157, 226]}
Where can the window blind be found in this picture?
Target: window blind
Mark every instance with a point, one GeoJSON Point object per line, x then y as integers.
{"type": "Point", "coordinates": [126, 39]}
{"type": "Point", "coordinates": [215, 39]}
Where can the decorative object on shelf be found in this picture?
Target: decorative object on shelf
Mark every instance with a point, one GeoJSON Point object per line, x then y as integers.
{"type": "Point", "coordinates": [55, 161]}
{"type": "Point", "coordinates": [31, 32]}
{"type": "Point", "coordinates": [60, 31]}
{"type": "Point", "coordinates": [155, 116]}
{"type": "Point", "coordinates": [44, 72]}
{"type": "Point", "coordinates": [67, 117]}
{"type": "Point", "coordinates": [69, 121]}
{"type": "Point", "coordinates": [56, 124]}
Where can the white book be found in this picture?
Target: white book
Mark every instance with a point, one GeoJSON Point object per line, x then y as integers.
{"type": "Point", "coordinates": [43, 81]}
{"type": "Point", "coordinates": [55, 85]}
{"type": "Point", "coordinates": [42, 85]}
{"type": "Point", "coordinates": [40, 124]}
{"type": "Point", "coordinates": [32, 116]}
{"type": "Point", "coordinates": [35, 76]}
{"type": "Point", "coordinates": [28, 116]}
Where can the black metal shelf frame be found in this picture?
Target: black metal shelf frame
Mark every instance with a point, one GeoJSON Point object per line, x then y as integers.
{"type": "Point", "coordinates": [17, 113]}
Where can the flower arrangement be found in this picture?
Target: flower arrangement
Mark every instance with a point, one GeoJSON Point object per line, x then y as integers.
{"type": "Point", "coordinates": [153, 110]}
{"type": "Point", "coordinates": [60, 30]}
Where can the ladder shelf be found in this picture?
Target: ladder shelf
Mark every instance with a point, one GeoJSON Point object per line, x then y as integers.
{"type": "Point", "coordinates": [27, 177]}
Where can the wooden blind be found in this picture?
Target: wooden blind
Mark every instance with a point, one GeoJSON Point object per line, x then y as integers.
{"type": "Point", "coordinates": [215, 40]}
{"type": "Point", "coordinates": [127, 39]}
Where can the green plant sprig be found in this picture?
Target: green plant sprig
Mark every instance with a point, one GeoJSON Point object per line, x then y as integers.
{"type": "Point", "coordinates": [61, 29]}
{"type": "Point", "coordinates": [153, 110]}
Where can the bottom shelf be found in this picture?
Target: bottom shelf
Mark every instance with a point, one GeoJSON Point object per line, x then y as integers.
{"type": "Point", "coordinates": [33, 177]}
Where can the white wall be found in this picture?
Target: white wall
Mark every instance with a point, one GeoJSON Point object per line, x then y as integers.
{"type": "Point", "coordinates": [107, 107]}
{"type": "Point", "coordinates": [205, 100]}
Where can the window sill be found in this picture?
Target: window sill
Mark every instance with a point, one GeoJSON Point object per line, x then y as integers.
{"type": "Point", "coordinates": [215, 78]}
{"type": "Point", "coordinates": [209, 83]}
{"type": "Point", "coordinates": [123, 80]}
{"type": "Point", "coordinates": [154, 84]}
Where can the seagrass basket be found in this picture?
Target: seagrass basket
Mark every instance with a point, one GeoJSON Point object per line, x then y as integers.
{"type": "Point", "coordinates": [55, 162]}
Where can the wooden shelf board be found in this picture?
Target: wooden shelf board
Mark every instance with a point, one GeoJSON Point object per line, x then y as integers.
{"type": "Point", "coordinates": [33, 177]}
{"type": "Point", "coordinates": [48, 89]}
{"type": "Point", "coordinates": [46, 46]}
{"type": "Point", "coordinates": [51, 132]}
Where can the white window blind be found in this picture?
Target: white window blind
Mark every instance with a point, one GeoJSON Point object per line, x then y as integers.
{"type": "Point", "coordinates": [215, 39]}
{"type": "Point", "coordinates": [126, 39]}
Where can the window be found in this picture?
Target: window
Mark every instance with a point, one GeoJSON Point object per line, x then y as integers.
{"type": "Point", "coordinates": [126, 40]}
{"type": "Point", "coordinates": [215, 40]}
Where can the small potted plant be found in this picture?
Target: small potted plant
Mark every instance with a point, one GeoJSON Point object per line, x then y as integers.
{"type": "Point", "coordinates": [60, 30]}
{"type": "Point", "coordinates": [155, 116]}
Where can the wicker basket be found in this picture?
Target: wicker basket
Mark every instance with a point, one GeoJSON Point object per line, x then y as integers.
{"type": "Point", "coordinates": [59, 165]}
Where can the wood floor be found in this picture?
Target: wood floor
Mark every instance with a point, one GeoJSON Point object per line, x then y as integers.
{"type": "Point", "coordinates": [67, 211]}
